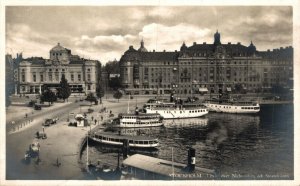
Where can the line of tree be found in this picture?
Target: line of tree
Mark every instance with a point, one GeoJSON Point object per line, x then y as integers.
{"type": "Point", "coordinates": [64, 90]}
{"type": "Point", "coordinates": [48, 96]}
{"type": "Point", "coordinates": [117, 95]}
{"type": "Point", "coordinates": [100, 92]}
{"type": "Point", "coordinates": [112, 67]}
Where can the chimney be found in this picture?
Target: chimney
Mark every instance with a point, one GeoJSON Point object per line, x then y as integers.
{"type": "Point", "coordinates": [175, 50]}
{"type": "Point", "coordinates": [164, 50]}
{"type": "Point", "coordinates": [194, 43]}
{"type": "Point", "coordinates": [204, 43]}
{"type": "Point", "coordinates": [239, 43]}
{"type": "Point", "coordinates": [153, 50]}
{"type": "Point", "coordinates": [125, 148]}
{"type": "Point", "coordinates": [191, 160]}
{"type": "Point", "coordinates": [229, 43]}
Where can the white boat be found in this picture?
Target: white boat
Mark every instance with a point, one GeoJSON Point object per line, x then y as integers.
{"type": "Point", "coordinates": [115, 139]}
{"type": "Point", "coordinates": [138, 120]}
{"type": "Point", "coordinates": [228, 106]}
{"type": "Point", "coordinates": [176, 111]}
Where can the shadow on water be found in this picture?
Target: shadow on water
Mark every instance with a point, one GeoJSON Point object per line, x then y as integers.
{"type": "Point", "coordinates": [231, 144]}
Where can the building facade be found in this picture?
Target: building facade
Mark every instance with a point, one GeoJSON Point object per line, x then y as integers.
{"type": "Point", "coordinates": [36, 73]}
{"type": "Point", "coordinates": [206, 68]}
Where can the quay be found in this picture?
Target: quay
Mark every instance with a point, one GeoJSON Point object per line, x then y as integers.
{"type": "Point", "coordinates": [145, 167]}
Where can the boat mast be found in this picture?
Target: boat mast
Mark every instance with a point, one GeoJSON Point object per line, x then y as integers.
{"type": "Point", "coordinates": [128, 104]}
{"type": "Point", "coordinates": [87, 149]}
{"type": "Point", "coordinates": [172, 164]}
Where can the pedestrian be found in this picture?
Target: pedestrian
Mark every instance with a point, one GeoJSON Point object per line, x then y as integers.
{"type": "Point", "coordinates": [26, 115]}
{"type": "Point", "coordinates": [95, 121]}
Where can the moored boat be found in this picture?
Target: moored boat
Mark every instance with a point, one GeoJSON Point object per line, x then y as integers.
{"type": "Point", "coordinates": [138, 120]}
{"type": "Point", "coordinates": [134, 141]}
{"type": "Point", "coordinates": [175, 111]}
{"type": "Point", "coordinates": [230, 106]}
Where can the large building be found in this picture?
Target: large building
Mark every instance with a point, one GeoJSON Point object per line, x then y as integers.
{"type": "Point", "coordinates": [37, 73]}
{"type": "Point", "coordinates": [206, 68]}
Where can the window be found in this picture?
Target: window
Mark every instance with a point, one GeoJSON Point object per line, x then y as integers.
{"type": "Point", "coordinates": [41, 77]}
{"type": "Point", "coordinates": [50, 77]}
{"type": "Point", "coordinates": [89, 77]}
{"type": "Point", "coordinates": [79, 77]}
{"type": "Point", "coordinates": [89, 87]}
{"type": "Point", "coordinates": [34, 78]}
{"type": "Point", "coordinates": [72, 77]}
{"type": "Point", "coordinates": [23, 77]}
{"type": "Point", "coordinates": [88, 70]}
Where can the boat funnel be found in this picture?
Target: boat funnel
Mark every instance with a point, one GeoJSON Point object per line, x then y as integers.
{"type": "Point", "coordinates": [136, 110]}
{"type": "Point", "coordinates": [191, 160]}
{"type": "Point", "coordinates": [125, 148]}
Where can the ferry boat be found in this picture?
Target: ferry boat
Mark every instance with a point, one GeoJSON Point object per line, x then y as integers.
{"type": "Point", "coordinates": [116, 139]}
{"type": "Point", "coordinates": [138, 120]}
{"type": "Point", "coordinates": [230, 106]}
{"type": "Point", "coordinates": [175, 111]}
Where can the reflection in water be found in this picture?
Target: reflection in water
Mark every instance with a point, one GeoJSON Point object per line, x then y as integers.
{"type": "Point", "coordinates": [228, 143]}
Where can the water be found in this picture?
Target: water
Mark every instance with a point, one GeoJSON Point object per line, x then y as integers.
{"type": "Point", "coordinates": [241, 147]}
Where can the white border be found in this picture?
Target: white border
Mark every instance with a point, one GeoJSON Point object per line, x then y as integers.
{"type": "Point", "coordinates": [296, 41]}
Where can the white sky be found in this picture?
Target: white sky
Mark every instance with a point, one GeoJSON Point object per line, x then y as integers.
{"type": "Point", "coordinates": [105, 32]}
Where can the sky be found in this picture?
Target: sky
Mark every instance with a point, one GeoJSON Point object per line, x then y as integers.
{"type": "Point", "coordinates": [105, 32]}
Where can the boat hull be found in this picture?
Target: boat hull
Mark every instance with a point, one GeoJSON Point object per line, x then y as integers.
{"type": "Point", "coordinates": [140, 125]}
{"type": "Point", "coordinates": [130, 144]}
{"type": "Point", "coordinates": [237, 109]}
{"type": "Point", "coordinates": [177, 114]}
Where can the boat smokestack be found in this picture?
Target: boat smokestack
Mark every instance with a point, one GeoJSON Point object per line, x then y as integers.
{"type": "Point", "coordinates": [136, 110]}
{"type": "Point", "coordinates": [191, 159]}
{"type": "Point", "coordinates": [125, 148]}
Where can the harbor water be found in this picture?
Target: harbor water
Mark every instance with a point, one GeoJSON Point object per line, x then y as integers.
{"type": "Point", "coordinates": [237, 146]}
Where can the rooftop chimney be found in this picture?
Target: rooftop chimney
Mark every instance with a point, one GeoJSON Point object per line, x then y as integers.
{"type": "Point", "coordinates": [194, 43]}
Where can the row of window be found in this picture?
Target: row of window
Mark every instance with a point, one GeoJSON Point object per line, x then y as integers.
{"type": "Point", "coordinates": [121, 140]}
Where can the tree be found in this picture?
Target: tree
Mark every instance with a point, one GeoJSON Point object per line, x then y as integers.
{"type": "Point", "coordinates": [48, 96]}
{"type": "Point", "coordinates": [100, 92]}
{"type": "Point", "coordinates": [115, 83]}
{"type": "Point", "coordinates": [91, 98]}
{"type": "Point", "coordinates": [118, 95]}
{"type": "Point", "coordinates": [64, 90]}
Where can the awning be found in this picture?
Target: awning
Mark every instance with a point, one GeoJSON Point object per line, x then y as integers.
{"type": "Point", "coordinates": [79, 116]}
{"type": "Point", "coordinates": [203, 89]}
{"type": "Point", "coordinates": [228, 89]}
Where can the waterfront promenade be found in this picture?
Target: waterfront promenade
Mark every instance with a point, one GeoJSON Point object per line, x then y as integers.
{"type": "Point", "coordinates": [62, 143]}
